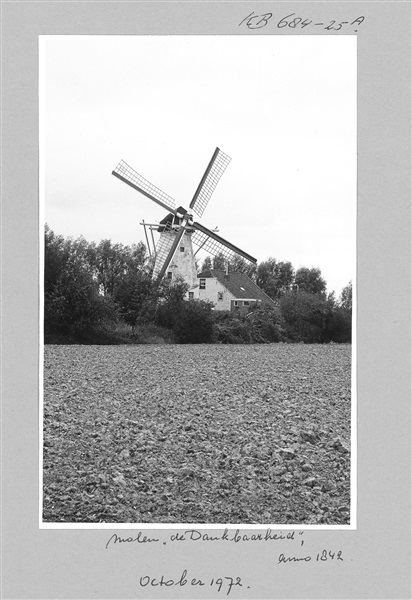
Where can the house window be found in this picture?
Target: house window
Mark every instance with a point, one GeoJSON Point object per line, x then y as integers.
{"type": "Point", "coordinates": [191, 295]}
{"type": "Point", "coordinates": [182, 248]}
{"type": "Point", "coordinates": [169, 274]}
{"type": "Point", "coordinates": [220, 295]}
{"type": "Point", "coordinates": [246, 303]}
{"type": "Point", "coordinates": [235, 303]}
{"type": "Point", "coordinates": [202, 284]}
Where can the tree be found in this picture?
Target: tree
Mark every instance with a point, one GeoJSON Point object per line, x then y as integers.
{"type": "Point", "coordinates": [310, 280]}
{"type": "Point", "coordinates": [305, 316]}
{"type": "Point", "coordinates": [113, 262]}
{"type": "Point", "coordinates": [172, 299]}
{"type": "Point", "coordinates": [346, 297]}
{"type": "Point", "coordinates": [219, 262]}
{"type": "Point", "coordinates": [207, 264]}
{"type": "Point", "coordinates": [339, 325]}
{"type": "Point", "coordinates": [190, 320]}
{"type": "Point", "coordinates": [238, 264]}
{"type": "Point", "coordinates": [275, 278]}
{"type": "Point", "coordinates": [137, 297]}
{"type": "Point", "coordinates": [72, 303]}
{"type": "Point", "coordinates": [55, 258]}
{"type": "Point", "coordinates": [235, 264]}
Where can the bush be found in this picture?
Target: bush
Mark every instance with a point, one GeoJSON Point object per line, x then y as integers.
{"type": "Point", "coordinates": [194, 323]}
{"type": "Point", "coordinates": [339, 326]}
{"type": "Point", "coordinates": [315, 319]}
{"type": "Point", "coordinates": [266, 325]}
{"type": "Point", "coordinates": [137, 298]}
{"type": "Point", "coordinates": [152, 334]}
{"type": "Point", "coordinates": [230, 329]}
{"type": "Point", "coordinates": [74, 306]}
{"type": "Point", "coordinates": [191, 321]}
{"type": "Point", "coordinates": [305, 316]}
{"type": "Point", "coordinates": [171, 303]}
{"type": "Point", "coordinates": [261, 326]}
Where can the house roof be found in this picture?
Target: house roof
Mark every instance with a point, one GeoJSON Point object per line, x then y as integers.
{"type": "Point", "coordinates": [238, 284]}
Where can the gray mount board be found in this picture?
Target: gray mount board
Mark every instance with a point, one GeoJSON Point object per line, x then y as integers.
{"type": "Point", "coordinates": [75, 563]}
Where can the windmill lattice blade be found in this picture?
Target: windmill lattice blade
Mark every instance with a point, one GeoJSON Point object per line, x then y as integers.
{"type": "Point", "coordinates": [209, 181]}
{"type": "Point", "coordinates": [215, 245]}
{"type": "Point", "coordinates": [124, 172]}
{"type": "Point", "coordinates": [177, 237]}
{"type": "Point", "coordinates": [162, 250]}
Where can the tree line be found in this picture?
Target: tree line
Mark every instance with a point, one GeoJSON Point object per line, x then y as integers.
{"type": "Point", "coordinates": [104, 293]}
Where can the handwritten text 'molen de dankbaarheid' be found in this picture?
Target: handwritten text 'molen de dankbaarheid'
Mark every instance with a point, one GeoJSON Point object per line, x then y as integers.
{"type": "Point", "coordinates": [195, 535]}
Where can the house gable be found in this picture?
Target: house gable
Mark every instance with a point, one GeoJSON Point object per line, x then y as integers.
{"type": "Point", "coordinates": [229, 291]}
{"type": "Point", "coordinates": [212, 290]}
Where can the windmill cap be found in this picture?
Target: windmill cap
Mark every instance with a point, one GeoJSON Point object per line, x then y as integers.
{"type": "Point", "coordinates": [181, 211]}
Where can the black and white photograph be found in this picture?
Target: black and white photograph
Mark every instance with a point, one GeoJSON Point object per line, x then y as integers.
{"type": "Point", "coordinates": [198, 260]}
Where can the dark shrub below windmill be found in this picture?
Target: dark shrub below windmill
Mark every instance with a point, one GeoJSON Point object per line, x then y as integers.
{"type": "Point", "coordinates": [230, 329]}
{"type": "Point", "coordinates": [266, 325]}
{"type": "Point", "coordinates": [194, 323]}
{"type": "Point", "coordinates": [261, 326]}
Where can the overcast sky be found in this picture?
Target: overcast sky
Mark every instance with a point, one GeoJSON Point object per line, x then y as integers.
{"type": "Point", "coordinates": [282, 107]}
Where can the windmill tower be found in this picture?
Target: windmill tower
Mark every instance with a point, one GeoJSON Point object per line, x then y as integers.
{"type": "Point", "coordinates": [183, 262]}
{"type": "Point", "coordinates": [174, 255]}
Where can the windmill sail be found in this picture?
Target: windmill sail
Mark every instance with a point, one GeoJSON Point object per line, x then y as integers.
{"type": "Point", "coordinates": [177, 237]}
{"type": "Point", "coordinates": [124, 172]}
{"type": "Point", "coordinates": [215, 245]}
{"type": "Point", "coordinates": [209, 181]}
{"type": "Point", "coordinates": [162, 249]}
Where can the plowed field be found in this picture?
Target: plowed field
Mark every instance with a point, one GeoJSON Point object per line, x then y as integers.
{"type": "Point", "coordinates": [197, 434]}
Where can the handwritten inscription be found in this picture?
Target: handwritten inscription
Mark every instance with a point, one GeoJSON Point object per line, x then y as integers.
{"type": "Point", "coordinates": [292, 542]}
{"type": "Point", "coordinates": [291, 538]}
{"type": "Point", "coordinates": [194, 535]}
{"type": "Point", "coordinates": [296, 22]}
{"type": "Point", "coordinates": [220, 584]}
{"type": "Point", "coordinates": [139, 539]}
{"type": "Point", "coordinates": [324, 556]}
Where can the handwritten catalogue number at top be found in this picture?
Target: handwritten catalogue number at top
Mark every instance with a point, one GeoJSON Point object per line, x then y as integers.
{"type": "Point", "coordinates": [295, 22]}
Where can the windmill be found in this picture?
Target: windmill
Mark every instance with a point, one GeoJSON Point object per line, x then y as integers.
{"type": "Point", "coordinates": [178, 229]}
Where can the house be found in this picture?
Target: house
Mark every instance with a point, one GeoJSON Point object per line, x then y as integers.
{"type": "Point", "coordinates": [231, 291]}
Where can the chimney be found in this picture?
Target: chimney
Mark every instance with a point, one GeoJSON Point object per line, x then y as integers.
{"type": "Point", "coordinates": [227, 270]}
